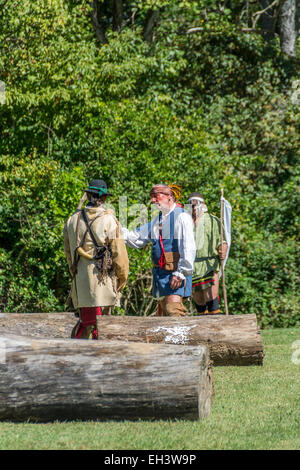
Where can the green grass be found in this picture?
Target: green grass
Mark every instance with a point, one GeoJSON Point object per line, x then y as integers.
{"type": "Point", "coordinates": [253, 408]}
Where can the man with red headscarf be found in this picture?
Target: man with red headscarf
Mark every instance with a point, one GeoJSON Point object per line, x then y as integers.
{"type": "Point", "coordinates": [173, 249]}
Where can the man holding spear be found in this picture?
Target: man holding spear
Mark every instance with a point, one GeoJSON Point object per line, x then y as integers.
{"type": "Point", "coordinates": [212, 251]}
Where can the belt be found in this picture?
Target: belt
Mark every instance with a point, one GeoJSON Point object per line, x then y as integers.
{"type": "Point", "coordinates": [204, 258]}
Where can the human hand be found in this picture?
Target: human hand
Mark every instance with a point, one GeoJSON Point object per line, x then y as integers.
{"type": "Point", "coordinates": [223, 250]}
{"type": "Point", "coordinates": [176, 282]}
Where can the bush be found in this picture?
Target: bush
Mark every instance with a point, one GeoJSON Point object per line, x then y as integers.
{"type": "Point", "coordinates": [207, 111]}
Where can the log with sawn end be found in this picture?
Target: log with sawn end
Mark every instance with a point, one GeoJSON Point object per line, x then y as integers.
{"type": "Point", "coordinates": [231, 339]}
{"type": "Point", "coordinates": [54, 379]}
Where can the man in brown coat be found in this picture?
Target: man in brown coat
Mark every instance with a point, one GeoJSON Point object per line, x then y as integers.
{"type": "Point", "coordinates": [97, 259]}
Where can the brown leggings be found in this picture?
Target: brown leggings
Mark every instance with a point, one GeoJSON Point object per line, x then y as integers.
{"type": "Point", "coordinates": [171, 309]}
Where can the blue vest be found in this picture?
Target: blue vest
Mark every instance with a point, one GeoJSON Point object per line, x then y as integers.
{"type": "Point", "coordinates": [169, 242]}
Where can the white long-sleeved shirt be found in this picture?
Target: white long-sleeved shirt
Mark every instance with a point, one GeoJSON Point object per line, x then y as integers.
{"type": "Point", "coordinates": [183, 232]}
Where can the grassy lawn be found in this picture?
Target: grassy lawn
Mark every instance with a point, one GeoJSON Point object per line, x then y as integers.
{"type": "Point", "coordinates": [254, 408]}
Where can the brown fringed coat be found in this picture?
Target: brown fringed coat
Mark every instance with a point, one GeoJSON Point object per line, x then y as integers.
{"type": "Point", "coordinates": [88, 289]}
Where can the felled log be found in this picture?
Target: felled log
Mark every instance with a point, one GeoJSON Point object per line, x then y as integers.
{"type": "Point", "coordinates": [232, 339]}
{"type": "Point", "coordinates": [38, 325]}
{"type": "Point", "coordinates": [58, 379]}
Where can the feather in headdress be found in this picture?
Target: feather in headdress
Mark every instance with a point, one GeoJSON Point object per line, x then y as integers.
{"type": "Point", "coordinates": [176, 190]}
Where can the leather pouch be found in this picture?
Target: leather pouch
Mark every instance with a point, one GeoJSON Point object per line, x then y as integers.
{"type": "Point", "coordinates": [172, 259]}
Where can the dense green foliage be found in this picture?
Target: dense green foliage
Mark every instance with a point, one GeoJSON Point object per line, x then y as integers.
{"type": "Point", "coordinates": [214, 109]}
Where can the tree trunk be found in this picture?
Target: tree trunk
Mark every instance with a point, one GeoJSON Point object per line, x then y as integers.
{"type": "Point", "coordinates": [288, 27]}
{"type": "Point", "coordinates": [45, 380]}
{"type": "Point", "coordinates": [151, 21]}
{"type": "Point", "coordinates": [117, 9]}
{"type": "Point", "coordinates": [297, 17]}
{"type": "Point", "coordinates": [231, 339]}
{"type": "Point", "coordinates": [267, 19]}
{"type": "Point", "coordinates": [97, 23]}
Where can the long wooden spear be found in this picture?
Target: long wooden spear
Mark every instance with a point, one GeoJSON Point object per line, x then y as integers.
{"type": "Point", "coordinates": [222, 260]}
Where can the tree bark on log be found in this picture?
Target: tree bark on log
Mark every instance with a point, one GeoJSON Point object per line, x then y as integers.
{"type": "Point", "coordinates": [231, 339]}
{"type": "Point", "coordinates": [44, 380]}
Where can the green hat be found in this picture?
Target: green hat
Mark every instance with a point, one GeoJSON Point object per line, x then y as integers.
{"type": "Point", "coordinates": [98, 187]}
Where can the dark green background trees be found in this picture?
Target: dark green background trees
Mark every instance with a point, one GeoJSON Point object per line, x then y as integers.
{"type": "Point", "coordinates": [194, 92]}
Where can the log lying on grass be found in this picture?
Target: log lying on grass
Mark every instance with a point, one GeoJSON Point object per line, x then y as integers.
{"type": "Point", "coordinates": [38, 325]}
{"type": "Point", "coordinates": [45, 380]}
{"type": "Point", "coordinates": [232, 339]}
